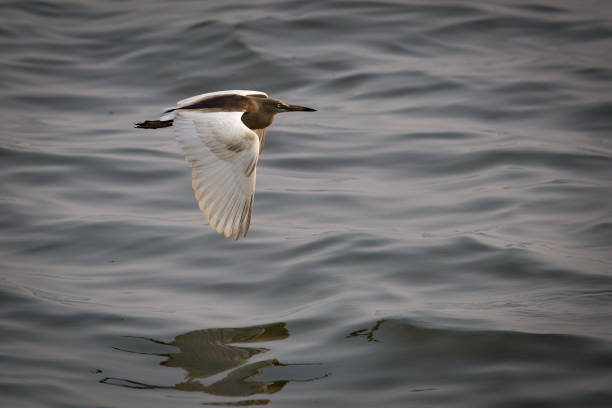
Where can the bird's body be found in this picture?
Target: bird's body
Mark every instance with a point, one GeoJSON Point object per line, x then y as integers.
{"type": "Point", "coordinates": [222, 134]}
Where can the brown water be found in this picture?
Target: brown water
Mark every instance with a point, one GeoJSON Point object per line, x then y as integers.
{"type": "Point", "coordinates": [438, 234]}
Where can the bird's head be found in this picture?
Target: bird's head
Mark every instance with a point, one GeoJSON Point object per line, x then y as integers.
{"type": "Point", "coordinates": [274, 106]}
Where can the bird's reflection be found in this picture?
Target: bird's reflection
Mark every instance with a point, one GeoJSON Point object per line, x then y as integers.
{"type": "Point", "coordinates": [368, 333]}
{"type": "Point", "coordinates": [208, 352]}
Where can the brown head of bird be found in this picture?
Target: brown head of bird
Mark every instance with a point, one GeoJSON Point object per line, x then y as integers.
{"type": "Point", "coordinates": [262, 111]}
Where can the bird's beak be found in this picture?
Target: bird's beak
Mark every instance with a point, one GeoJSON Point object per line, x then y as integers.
{"type": "Point", "coordinates": [295, 108]}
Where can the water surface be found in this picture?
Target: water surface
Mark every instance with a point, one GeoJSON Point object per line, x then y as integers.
{"type": "Point", "coordinates": [437, 234]}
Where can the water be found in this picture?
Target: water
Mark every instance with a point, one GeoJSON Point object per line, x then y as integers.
{"type": "Point", "coordinates": [438, 234]}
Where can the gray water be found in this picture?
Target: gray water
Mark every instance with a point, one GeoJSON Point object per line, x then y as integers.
{"type": "Point", "coordinates": [438, 234]}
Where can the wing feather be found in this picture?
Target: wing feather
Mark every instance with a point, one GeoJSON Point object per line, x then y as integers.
{"type": "Point", "coordinates": [224, 222]}
{"type": "Point", "coordinates": [261, 133]}
{"type": "Point", "coordinates": [232, 225]}
{"type": "Point", "coordinates": [223, 154]}
{"type": "Point", "coordinates": [193, 99]}
{"type": "Point", "coordinates": [169, 112]}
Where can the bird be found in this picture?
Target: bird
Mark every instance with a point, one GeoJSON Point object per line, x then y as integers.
{"type": "Point", "coordinates": [222, 135]}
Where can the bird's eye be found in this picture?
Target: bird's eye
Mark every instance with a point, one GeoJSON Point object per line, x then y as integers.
{"type": "Point", "coordinates": [279, 105]}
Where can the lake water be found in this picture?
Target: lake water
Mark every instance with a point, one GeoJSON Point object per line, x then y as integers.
{"type": "Point", "coordinates": [437, 234]}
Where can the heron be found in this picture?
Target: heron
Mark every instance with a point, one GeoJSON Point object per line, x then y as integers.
{"type": "Point", "coordinates": [222, 135]}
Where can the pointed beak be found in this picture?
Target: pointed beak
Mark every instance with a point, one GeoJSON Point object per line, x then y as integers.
{"type": "Point", "coordinates": [295, 108]}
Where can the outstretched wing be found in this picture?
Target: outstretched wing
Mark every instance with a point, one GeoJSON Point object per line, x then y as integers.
{"type": "Point", "coordinates": [223, 154]}
{"type": "Point", "coordinates": [168, 113]}
{"type": "Point", "coordinates": [193, 99]}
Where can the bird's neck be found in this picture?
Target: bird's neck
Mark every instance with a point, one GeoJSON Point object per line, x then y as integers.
{"type": "Point", "coordinates": [257, 120]}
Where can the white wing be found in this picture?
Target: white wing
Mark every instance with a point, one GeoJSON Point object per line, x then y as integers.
{"type": "Point", "coordinates": [261, 134]}
{"type": "Point", "coordinates": [223, 154]}
{"type": "Point", "coordinates": [168, 113]}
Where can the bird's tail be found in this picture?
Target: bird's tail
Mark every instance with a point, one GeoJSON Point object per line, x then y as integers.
{"type": "Point", "coordinates": [154, 124]}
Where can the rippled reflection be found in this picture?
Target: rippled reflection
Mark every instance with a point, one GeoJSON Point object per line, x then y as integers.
{"type": "Point", "coordinates": [206, 353]}
{"type": "Point", "coordinates": [367, 333]}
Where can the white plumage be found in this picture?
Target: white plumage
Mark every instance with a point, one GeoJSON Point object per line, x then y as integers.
{"type": "Point", "coordinates": [223, 154]}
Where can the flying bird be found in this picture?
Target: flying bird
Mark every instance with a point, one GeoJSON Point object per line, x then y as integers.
{"type": "Point", "coordinates": [222, 135]}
